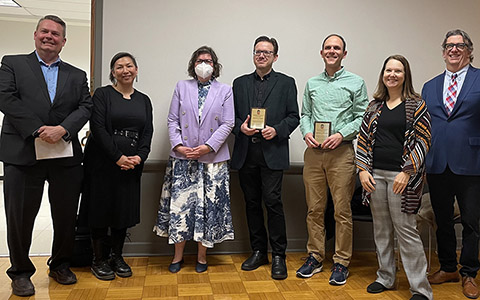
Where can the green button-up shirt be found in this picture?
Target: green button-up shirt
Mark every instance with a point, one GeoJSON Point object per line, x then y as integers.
{"type": "Point", "coordinates": [341, 100]}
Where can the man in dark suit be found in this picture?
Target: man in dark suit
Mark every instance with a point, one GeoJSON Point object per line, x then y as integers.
{"type": "Point", "coordinates": [41, 97]}
{"type": "Point", "coordinates": [261, 155]}
{"type": "Point", "coordinates": [453, 163]}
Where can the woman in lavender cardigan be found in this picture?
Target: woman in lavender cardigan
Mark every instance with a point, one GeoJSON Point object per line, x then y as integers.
{"type": "Point", "coordinates": [195, 200]}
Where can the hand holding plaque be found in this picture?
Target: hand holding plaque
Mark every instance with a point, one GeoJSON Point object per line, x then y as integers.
{"type": "Point", "coordinates": [322, 131]}
{"type": "Point", "coordinates": [258, 117]}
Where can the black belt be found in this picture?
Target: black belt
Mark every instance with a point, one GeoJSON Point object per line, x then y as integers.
{"type": "Point", "coordinates": [126, 133]}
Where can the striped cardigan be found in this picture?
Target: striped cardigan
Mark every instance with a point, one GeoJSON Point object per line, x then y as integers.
{"type": "Point", "coordinates": [415, 148]}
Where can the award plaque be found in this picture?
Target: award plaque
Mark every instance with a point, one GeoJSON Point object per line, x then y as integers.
{"type": "Point", "coordinates": [258, 117]}
{"type": "Point", "coordinates": [322, 131]}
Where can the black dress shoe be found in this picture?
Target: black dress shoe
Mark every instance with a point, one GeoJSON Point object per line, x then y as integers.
{"type": "Point", "coordinates": [63, 276]}
{"type": "Point", "coordinates": [22, 287]}
{"type": "Point", "coordinates": [175, 267]}
{"type": "Point", "coordinates": [375, 288]}
{"type": "Point", "coordinates": [279, 268]}
{"type": "Point", "coordinates": [120, 267]}
{"type": "Point", "coordinates": [256, 260]}
{"type": "Point", "coordinates": [102, 270]}
{"type": "Point", "coordinates": [200, 268]}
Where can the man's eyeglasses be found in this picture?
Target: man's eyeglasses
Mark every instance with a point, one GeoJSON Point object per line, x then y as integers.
{"type": "Point", "coordinates": [459, 46]}
{"type": "Point", "coordinates": [207, 61]}
{"type": "Point", "coordinates": [264, 52]}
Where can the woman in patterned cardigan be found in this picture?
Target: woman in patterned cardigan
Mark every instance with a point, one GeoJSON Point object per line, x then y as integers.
{"type": "Point", "coordinates": [393, 141]}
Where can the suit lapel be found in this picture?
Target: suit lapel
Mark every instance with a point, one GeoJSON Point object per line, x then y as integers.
{"type": "Point", "coordinates": [470, 78]}
{"type": "Point", "coordinates": [212, 93]}
{"type": "Point", "coordinates": [439, 91]}
{"type": "Point", "coordinates": [250, 91]}
{"type": "Point", "coordinates": [61, 80]}
{"type": "Point", "coordinates": [271, 84]}
{"type": "Point", "coordinates": [193, 97]}
{"type": "Point", "coordinates": [37, 71]}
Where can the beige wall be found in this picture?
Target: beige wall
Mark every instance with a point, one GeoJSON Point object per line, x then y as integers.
{"type": "Point", "coordinates": [165, 33]}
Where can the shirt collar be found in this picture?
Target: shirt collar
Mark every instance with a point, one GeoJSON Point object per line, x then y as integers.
{"type": "Point", "coordinates": [204, 84]}
{"type": "Point", "coordinates": [55, 63]}
{"type": "Point", "coordinates": [335, 76]}
{"type": "Point", "coordinates": [266, 77]}
{"type": "Point", "coordinates": [460, 73]}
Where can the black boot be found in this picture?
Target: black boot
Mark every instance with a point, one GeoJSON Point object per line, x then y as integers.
{"type": "Point", "coordinates": [100, 267]}
{"type": "Point", "coordinates": [118, 265]}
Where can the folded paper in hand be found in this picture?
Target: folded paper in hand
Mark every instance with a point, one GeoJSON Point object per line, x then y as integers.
{"type": "Point", "coordinates": [45, 150]}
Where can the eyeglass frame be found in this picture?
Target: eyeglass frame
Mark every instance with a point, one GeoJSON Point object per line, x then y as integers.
{"type": "Point", "coordinates": [459, 46]}
{"type": "Point", "coordinates": [264, 52]}
{"type": "Point", "coordinates": [207, 61]}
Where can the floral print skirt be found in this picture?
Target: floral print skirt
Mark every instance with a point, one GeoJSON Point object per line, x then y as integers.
{"type": "Point", "coordinates": [195, 203]}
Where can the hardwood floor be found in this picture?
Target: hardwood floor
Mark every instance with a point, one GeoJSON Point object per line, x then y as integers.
{"type": "Point", "coordinates": [223, 280]}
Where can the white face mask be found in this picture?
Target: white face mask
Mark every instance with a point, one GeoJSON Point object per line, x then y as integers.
{"type": "Point", "coordinates": [203, 70]}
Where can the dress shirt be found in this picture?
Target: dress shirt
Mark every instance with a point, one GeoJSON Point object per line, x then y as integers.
{"type": "Point", "coordinates": [261, 87]}
{"type": "Point", "coordinates": [340, 99]}
{"type": "Point", "coordinates": [448, 80]}
{"type": "Point", "coordinates": [50, 72]}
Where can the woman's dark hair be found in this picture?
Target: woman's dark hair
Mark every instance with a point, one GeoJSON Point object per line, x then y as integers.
{"type": "Point", "coordinates": [217, 67]}
{"type": "Point", "coordinates": [117, 57]}
{"type": "Point", "coordinates": [408, 92]}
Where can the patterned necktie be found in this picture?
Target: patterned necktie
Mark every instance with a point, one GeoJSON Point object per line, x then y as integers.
{"type": "Point", "coordinates": [451, 95]}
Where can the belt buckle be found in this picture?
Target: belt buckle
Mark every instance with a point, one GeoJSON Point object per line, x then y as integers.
{"type": "Point", "coordinates": [255, 140]}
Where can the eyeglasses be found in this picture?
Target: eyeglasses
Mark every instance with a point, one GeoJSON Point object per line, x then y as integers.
{"type": "Point", "coordinates": [264, 52]}
{"type": "Point", "coordinates": [459, 46]}
{"type": "Point", "coordinates": [207, 61]}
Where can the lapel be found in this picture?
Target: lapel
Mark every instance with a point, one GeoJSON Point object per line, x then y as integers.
{"type": "Point", "coordinates": [210, 100]}
{"type": "Point", "coordinates": [470, 78]}
{"type": "Point", "coordinates": [271, 84]}
{"type": "Point", "coordinates": [250, 91]}
{"type": "Point", "coordinates": [193, 96]}
{"type": "Point", "coordinates": [61, 80]}
{"type": "Point", "coordinates": [439, 92]}
{"type": "Point", "coordinates": [40, 79]}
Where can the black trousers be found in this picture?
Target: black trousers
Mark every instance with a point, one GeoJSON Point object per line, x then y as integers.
{"type": "Point", "coordinates": [443, 188]}
{"type": "Point", "coordinates": [23, 189]}
{"type": "Point", "coordinates": [259, 183]}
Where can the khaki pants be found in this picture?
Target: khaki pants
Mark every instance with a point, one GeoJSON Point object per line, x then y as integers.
{"type": "Point", "coordinates": [334, 169]}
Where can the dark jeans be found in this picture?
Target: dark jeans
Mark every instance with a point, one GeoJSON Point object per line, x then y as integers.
{"type": "Point", "coordinates": [23, 190]}
{"type": "Point", "coordinates": [259, 183]}
{"type": "Point", "coordinates": [443, 189]}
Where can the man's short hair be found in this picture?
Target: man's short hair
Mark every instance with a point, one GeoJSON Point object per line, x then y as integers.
{"type": "Point", "coordinates": [337, 35]}
{"type": "Point", "coordinates": [272, 41]}
{"type": "Point", "coordinates": [56, 20]}
{"type": "Point", "coordinates": [466, 39]}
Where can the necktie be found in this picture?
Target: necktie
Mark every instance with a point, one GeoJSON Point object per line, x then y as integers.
{"type": "Point", "coordinates": [451, 95]}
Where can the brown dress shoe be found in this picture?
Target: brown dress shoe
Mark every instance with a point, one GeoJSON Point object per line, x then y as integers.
{"type": "Point", "coordinates": [442, 276]}
{"type": "Point", "coordinates": [470, 289]}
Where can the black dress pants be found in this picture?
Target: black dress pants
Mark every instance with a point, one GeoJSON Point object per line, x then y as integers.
{"type": "Point", "coordinates": [23, 189]}
{"type": "Point", "coordinates": [443, 189]}
{"type": "Point", "coordinates": [260, 183]}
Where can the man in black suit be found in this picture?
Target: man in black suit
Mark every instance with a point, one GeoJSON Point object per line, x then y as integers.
{"type": "Point", "coordinates": [261, 155]}
{"type": "Point", "coordinates": [41, 97]}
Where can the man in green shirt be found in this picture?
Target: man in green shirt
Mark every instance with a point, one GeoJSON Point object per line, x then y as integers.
{"type": "Point", "coordinates": [336, 99]}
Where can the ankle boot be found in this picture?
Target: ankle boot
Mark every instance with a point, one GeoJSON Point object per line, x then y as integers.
{"type": "Point", "coordinates": [100, 267]}
{"type": "Point", "coordinates": [117, 263]}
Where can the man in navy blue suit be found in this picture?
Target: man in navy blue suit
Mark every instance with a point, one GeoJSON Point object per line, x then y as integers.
{"type": "Point", "coordinates": [453, 163]}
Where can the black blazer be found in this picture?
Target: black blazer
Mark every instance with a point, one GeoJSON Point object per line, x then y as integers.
{"type": "Point", "coordinates": [282, 114]}
{"type": "Point", "coordinates": [25, 102]}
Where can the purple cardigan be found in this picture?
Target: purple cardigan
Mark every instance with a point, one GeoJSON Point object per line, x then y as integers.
{"type": "Point", "coordinates": [217, 120]}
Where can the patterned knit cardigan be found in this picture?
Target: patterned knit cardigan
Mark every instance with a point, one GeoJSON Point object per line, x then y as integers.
{"type": "Point", "coordinates": [415, 148]}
